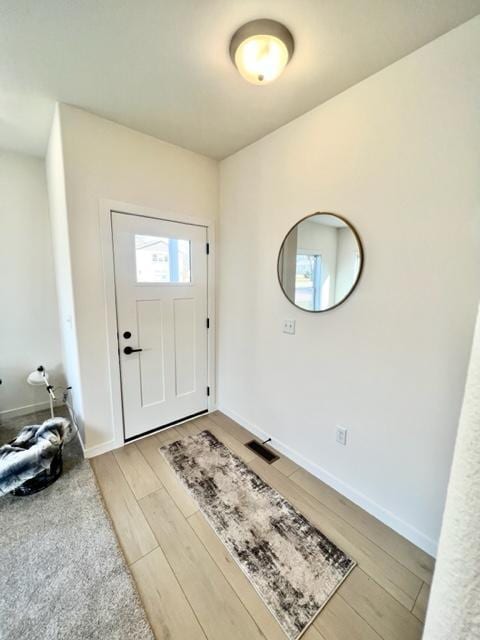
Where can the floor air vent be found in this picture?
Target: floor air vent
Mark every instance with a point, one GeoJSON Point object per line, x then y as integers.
{"type": "Point", "coordinates": [263, 452]}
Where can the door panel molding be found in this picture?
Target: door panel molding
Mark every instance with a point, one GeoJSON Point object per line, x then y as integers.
{"type": "Point", "coordinates": [151, 393]}
{"type": "Point", "coordinates": [184, 336]}
{"type": "Point", "coordinates": [106, 207]}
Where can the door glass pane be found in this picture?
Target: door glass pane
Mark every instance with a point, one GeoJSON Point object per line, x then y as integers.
{"type": "Point", "coordinates": [162, 259]}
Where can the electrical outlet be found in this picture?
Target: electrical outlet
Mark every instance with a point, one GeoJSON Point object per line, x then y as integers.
{"type": "Point", "coordinates": [341, 435]}
{"type": "Point", "coordinates": [289, 326]}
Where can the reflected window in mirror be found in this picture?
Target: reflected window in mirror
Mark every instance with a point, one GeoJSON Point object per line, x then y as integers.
{"type": "Point", "coordinates": [320, 262]}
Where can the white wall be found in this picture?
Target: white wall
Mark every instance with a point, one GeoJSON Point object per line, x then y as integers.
{"type": "Point", "coordinates": [397, 155]}
{"type": "Point", "coordinates": [63, 267]}
{"type": "Point", "coordinates": [454, 605]}
{"type": "Point", "coordinates": [29, 333]}
{"type": "Point", "coordinates": [104, 160]}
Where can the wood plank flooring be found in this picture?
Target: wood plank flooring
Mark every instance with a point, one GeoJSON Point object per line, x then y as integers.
{"type": "Point", "coordinates": [191, 587]}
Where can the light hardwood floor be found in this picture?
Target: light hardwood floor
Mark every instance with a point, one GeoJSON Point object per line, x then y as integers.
{"type": "Point", "coordinates": [193, 590]}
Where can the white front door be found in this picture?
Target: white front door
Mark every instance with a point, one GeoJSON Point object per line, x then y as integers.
{"type": "Point", "coordinates": [161, 293]}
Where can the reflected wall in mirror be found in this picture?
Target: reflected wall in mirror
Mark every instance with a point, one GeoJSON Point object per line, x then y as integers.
{"type": "Point", "coordinates": [320, 262]}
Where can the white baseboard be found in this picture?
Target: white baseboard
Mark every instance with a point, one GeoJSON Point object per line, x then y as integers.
{"type": "Point", "coordinates": [105, 447]}
{"type": "Point", "coordinates": [91, 452]}
{"type": "Point", "coordinates": [72, 418]}
{"type": "Point", "coordinates": [25, 410]}
{"type": "Point", "coordinates": [384, 515]}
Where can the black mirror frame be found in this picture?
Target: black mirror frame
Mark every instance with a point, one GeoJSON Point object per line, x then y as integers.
{"type": "Point", "coordinates": [362, 259]}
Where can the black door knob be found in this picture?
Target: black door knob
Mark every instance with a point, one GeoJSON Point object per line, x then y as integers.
{"type": "Point", "coordinates": [129, 350]}
{"type": "Point", "coordinates": [127, 335]}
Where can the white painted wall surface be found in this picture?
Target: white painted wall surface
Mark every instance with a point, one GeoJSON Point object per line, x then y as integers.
{"type": "Point", "coordinates": [63, 268]}
{"type": "Point", "coordinates": [29, 332]}
{"type": "Point", "coordinates": [454, 606]}
{"type": "Point", "coordinates": [397, 155]}
{"type": "Point", "coordinates": [104, 160]}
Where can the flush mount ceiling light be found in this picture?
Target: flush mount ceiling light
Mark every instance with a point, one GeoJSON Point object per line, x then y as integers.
{"type": "Point", "coordinates": [261, 50]}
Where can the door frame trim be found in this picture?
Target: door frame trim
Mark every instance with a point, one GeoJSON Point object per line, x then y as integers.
{"type": "Point", "coordinates": [106, 207]}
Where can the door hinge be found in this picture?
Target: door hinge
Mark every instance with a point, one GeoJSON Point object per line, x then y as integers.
{"type": "Point", "coordinates": [208, 323]}
{"type": "Point", "coordinates": [208, 391]}
{"type": "Point", "coordinates": [208, 248]}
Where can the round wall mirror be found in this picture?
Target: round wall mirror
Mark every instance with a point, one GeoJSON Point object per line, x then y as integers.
{"type": "Point", "coordinates": [320, 262]}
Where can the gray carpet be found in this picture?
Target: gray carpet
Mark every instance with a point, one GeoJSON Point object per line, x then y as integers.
{"type": "Point", "coordinates": [292, 565]}
{"type": "Point", "coordinates": [62, 574]}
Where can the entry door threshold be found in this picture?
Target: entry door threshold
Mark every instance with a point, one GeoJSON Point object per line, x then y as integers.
{"type": "Point", "coordinates": [165, 426]}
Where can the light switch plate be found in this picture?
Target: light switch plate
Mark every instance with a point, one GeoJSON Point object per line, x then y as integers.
{"type": "Point", "coordinates": [289, 326]}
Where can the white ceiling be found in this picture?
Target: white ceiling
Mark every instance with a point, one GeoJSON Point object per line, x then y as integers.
{"type": "Point", "coordinates": [162, 66]}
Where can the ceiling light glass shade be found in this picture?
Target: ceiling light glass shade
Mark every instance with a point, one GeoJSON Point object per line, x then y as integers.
{"type": "Point", "coordinates": [261, 50]}
{"type": "Point", "coordinates": [261, 59]}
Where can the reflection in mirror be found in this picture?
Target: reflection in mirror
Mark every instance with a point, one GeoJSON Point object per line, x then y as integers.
{"type": "Point", "coordinates": [320, 262]}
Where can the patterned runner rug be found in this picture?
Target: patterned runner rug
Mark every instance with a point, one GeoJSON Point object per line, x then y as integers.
{"type": "Point", "coordinates": [293, 567]}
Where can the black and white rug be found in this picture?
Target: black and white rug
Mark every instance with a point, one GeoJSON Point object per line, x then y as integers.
{"type": "Point", "coordinates": [293, 567]}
